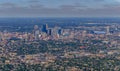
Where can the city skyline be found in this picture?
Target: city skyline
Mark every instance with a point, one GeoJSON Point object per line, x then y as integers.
{"type": "Point", "coordinates": [56, 8]}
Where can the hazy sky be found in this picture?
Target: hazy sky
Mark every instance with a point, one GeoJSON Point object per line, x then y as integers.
{"type": "Point", "coordinates": [59, 8]}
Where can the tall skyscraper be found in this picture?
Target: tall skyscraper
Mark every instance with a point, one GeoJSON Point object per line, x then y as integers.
{"type": "Point", "coordinates": [108, 30]}
{"type": "Point", "coordinates": [60, 31]}
{"type": "Point", "coordinates": [49, 32]}
{"type": "Point", "coordinates": [45, 28]}
{"type": "Point", "coordinates": [36, 32]}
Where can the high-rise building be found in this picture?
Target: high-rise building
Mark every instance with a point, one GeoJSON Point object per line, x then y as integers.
{"type": "Point", "coordinates": [45, 28]}
{"type": "Point", "coordinates": [49, 32]}
{"type": "Point", "coordinates": [36, 32]}
{"type": "Point", "coordinates": [84, 34]}
{"type": "Point", "coordinates": [60, 31]}
{"type": "Point", "coordinates": [0, 36]}
{"type": "Point", "coordinates": [108, 30]}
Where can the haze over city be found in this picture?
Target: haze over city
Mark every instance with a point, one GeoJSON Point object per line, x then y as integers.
{"type": "Point", "coordinates": [59, 8]}
{"type": "Point", "coordinates": [59, 35]}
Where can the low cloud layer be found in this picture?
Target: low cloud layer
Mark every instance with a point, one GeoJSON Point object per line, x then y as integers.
{"type": "Point", "coordinates": [57, 8]}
